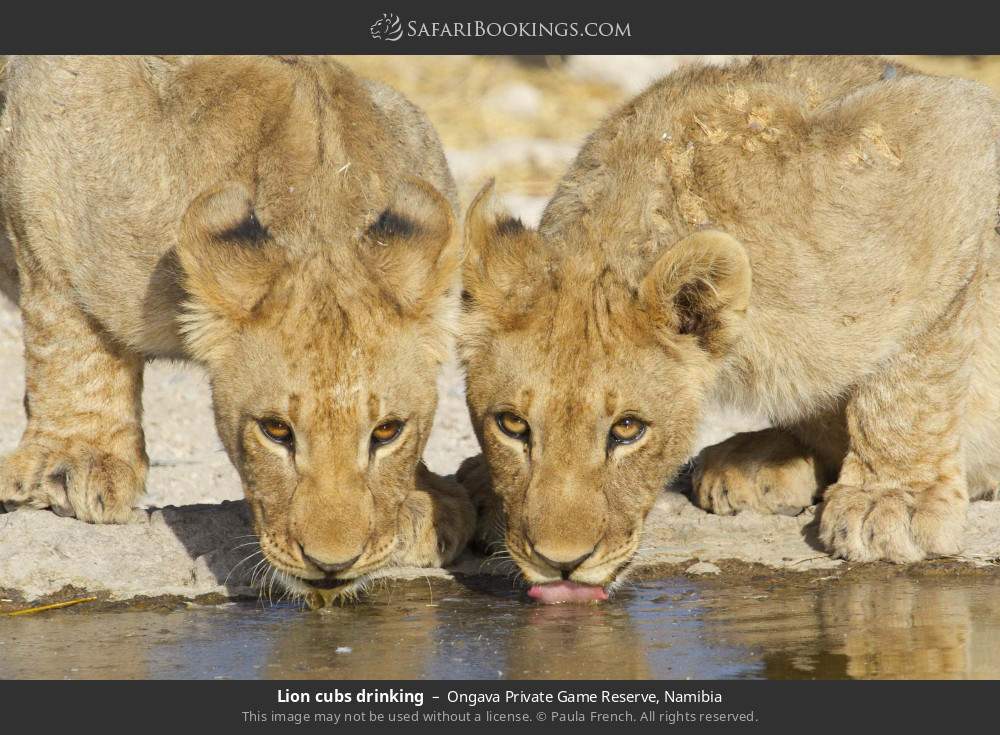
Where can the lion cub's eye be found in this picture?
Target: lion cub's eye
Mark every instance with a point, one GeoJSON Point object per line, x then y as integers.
{"type": "Point", "coordinates": [387, 432]}
{"type": "Point", "coordinates": [513, 425]}
{"type": "Point", "coordinates": [626, 430]}
{"type": "Point", "coordinates": [277, 431]}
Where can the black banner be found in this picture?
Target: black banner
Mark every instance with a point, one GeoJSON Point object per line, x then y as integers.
{"type": "Point", "coordinates": [452, 27]}
{"type": "Point", "coordinates": [406, 706]}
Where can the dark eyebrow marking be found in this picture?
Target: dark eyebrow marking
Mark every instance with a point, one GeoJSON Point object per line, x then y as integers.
{"type": "Point", "coordinates": [393, 224]}
{"type": "Point", "coordinates": [249, 231]}
{"type": "Point", "coordinates": [510, 226]}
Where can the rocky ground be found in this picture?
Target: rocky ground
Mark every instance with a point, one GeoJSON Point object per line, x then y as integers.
{"type": "Point", "coordinates": [519, 120]}
{"type": "Point", "coordinates": [202, 551]}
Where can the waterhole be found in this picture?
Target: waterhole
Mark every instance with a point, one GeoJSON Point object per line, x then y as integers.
{"type": "Point", "coordinates": [670, 628]}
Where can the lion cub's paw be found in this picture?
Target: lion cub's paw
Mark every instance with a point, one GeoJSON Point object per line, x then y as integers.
{"type": "Point", "coordinates": [474, 475]}
{"type": "Point", "coordinates": [437, 521]}
{"type": "Point", "coordinates": [767, 471]}
{"type": "Point", "coordinates": [899, 524]}
{"type": "Point", "coordinates": [76, 480]}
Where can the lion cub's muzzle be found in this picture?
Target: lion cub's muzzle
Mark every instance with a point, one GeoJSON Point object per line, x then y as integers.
{"type": "Point", "coordinates": [559, 562]}
{"type": "Point", "coordinates": [327, 570]}
{"type": "Point", "coordinates": [330, 568]}
{"type": "Point", "coordinates": [572, 571]}
{"type": "Point", "coordinates": [320, 580]}
{"type": "Point", "coordinates": [320, 570]}
{"type": "Point", "coordinates": [332, 572]}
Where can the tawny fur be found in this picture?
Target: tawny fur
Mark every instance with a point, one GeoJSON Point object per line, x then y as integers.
{"type": "Point", "coordinates": [809, 237]}
{"type": "Point", "coordinates": [279, 220]}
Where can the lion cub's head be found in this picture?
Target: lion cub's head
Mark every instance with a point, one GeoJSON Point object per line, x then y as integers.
{"type": "Point", "coordinates": [322, 343]}
{"type": "Point", "coordinates": [585, 382]}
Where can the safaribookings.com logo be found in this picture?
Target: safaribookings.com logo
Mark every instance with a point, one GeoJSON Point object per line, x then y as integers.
{"type": "Point", "coordinates": [387, 28]}
{"type": "Point", "coordinates": [390, 28]}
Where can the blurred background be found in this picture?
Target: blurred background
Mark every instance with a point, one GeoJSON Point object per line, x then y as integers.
{"type": "Point", "coordinates": [522, 118]}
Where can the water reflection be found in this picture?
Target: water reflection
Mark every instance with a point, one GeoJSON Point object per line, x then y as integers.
{"type": "Point", "coordinates": [890, 628]}
{"type": "Point", "coordinates": [467, 633]}
{"type": "Point", "coordinates": [901, 628]}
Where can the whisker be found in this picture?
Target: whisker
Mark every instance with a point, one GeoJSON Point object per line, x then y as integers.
{"type": "Point", "coordinates": [255, 576]}
{"type": "Point", "coordinates": [241, 561]}
{"type": "Point", "coordinates": [270, 587]}
{"type": "Point", "coordinates": [244, 545]}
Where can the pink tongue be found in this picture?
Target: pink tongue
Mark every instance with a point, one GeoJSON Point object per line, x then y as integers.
{"type": "Point", "coordinates": [566, 592]}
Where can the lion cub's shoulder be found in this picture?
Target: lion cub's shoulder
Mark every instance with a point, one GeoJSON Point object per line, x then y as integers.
{"type": "Point", "coordinates": [720, 142]}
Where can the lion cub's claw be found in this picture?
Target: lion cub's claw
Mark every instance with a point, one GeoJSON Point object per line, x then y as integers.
{"type": "Point", "coordinates": [761, 471]}
{"type": "Point", "coordinates": [899, 525]}
{"type": "Point", "coordinates": [76, 480]}
{"type": "Point", "coordinates": [436, 522]}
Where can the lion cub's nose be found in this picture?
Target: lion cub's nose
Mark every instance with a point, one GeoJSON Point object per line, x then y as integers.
{"type": "Point", "coordinates": [330, 567]}
{"type": "Point", "coordinates": [564, 562]}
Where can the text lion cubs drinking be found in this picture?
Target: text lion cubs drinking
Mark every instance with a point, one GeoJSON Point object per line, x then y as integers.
{"type": "Point", "coordinates": [808, 237]}
{"type": "Point", "coordinates": [260, 216]}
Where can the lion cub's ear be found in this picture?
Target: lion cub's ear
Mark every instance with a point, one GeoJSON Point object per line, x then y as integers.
{"type": "Point", "coordinates": [700, 287]}
{"type": "Point", "coordinates": [503, 262]}
{"type": "Point", "coordinates": [227, 256]}
{"type": "Point", "coordinates": [412, 248]}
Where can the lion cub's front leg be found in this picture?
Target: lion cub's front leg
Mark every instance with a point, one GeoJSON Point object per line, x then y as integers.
{"type": "Point", "coordinates": [82, 453]}
{"type": "Point", "coordinates": [768, 471]}
{"type": "Point", "coordinates": [902, 493]}
{"type": "Point", "coordinates": [436, 522]}
{"type": "Point", "coordinates": [474, 475]}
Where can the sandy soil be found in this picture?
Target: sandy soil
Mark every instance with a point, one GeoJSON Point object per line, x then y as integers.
{"type": "Point", "coordinates": [202, 551]}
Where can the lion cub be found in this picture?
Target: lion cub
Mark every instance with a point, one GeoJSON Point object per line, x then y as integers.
{"type": "Point", "coordinates": [808, 237]}
{"type": "Point", "coordinates": [263, 217]}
